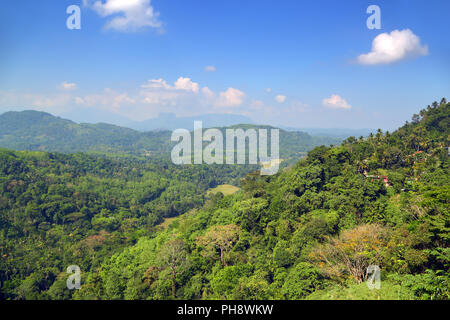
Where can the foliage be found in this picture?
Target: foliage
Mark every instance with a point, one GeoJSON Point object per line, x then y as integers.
{"type": "Point", "coordinates": [308, 232]}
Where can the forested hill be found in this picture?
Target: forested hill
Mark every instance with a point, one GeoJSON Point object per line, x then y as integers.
{"type": "Point", "coordinates": [309, 232]}
{"type": "Point", "coordinates": [39, 131]}
{"type": "Point", "coordinates": [55, 208]}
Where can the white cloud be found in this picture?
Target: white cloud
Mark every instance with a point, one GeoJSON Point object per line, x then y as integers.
{"type": "Point", "coordinates": [184, 97]}
{"type": "Point", "coordinates": [184, 90]}
{"type": "Point", "coordinates": [208, 93]}
{"type": "Point", "coordinates": [186, 84]}
{"type": "Point", "coordinates": [156, 84]}
{"type": "Point", "coordinates": [153, 97]}
{"type": "Point", "coordinates": [68, 86]}
{"type": "Point", "coordinates": [336, 102]}
{"type": "Point", "coordinates": [393, 47]}
{"type": "Point", "coordinates": [182, 84]}
{"type": "Point", "coordinates": [159, 96]}
{"type": "Point", "coordinates": [230, 98]}
{"type": "Point", "coordinates": [210, 69]}
{"type": "Point", "coordinates": [128, 15]}
{"type": "Point", "coordinates": [280, 98]}
{"type": "Point", "coordinates": [268, 90]}
{"type": "Point", "coordinates": [106, 100]}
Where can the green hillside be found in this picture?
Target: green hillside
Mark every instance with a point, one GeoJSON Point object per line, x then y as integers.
{"type": "Point", "coordinates": [309, 232]}
{"type": "Point", "coordinates": [39, 131]}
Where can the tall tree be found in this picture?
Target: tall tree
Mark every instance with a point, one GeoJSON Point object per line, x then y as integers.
{"type": "Point", "coordinates": [173, 255]}
{"type": "Point", "coordinates": [220, 237]}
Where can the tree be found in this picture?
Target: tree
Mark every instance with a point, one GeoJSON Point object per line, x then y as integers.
{"type": "Point", "coordinates": [220, 237]}
{"type": "Point", "coordinates": [173, 256]}
{"type": "Point", "coordinates": [302, 280]}
{"type": "Point", "coordinates": [352, 252]}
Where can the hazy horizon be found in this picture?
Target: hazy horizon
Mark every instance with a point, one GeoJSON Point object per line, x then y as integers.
{"type": "Point", "coordinates": [210, 120]}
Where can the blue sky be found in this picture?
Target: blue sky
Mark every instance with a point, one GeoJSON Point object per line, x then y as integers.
{"type": "Point", "coordinates": [292, 63]}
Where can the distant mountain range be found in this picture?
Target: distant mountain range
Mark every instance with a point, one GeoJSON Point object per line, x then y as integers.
{"type": "Point", "coordinates": [169, 121]}
{"type": "Point", "coordinates": [165, 121]}
{"type": "Point", "coordinates": [40, 131]}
